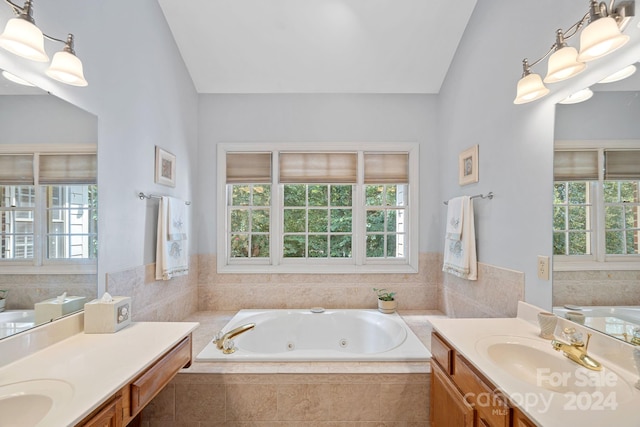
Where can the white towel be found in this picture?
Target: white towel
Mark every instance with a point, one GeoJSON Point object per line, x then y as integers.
{"type": "Point", "coordinates": [454, 218]}
{"type": "Point", "coordinates": [460, 254]}
{"type": "Point", "coordinates": [172, 258]}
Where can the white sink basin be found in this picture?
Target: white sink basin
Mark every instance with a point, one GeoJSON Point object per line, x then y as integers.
{"type": "Point", "coordinates": [538, 364]}
{"type": "Point", "coordinates": [28, 403]}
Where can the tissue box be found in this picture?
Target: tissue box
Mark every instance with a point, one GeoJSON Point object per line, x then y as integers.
{"type": "Point", "coordinates": [107, 317]}
{"type": "Point", "coordinates": [57, 307]}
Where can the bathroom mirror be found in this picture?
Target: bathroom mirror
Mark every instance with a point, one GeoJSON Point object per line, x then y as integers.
{"type": "Point", "coordinates": [49, 231]}
{"type": "Point", "coordinates": [599, 294]}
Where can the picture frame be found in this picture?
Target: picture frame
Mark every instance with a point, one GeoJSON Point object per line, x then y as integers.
{"type": "Point", "coordinates": [468, 166]}
{"type": "Point", "coordinates": [165, 168]}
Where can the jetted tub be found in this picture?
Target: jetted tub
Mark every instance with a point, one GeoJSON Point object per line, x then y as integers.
{"type": "Point", "coordinates": [330, 335]}
{"type": "Point", "coordinates": [14, 321]}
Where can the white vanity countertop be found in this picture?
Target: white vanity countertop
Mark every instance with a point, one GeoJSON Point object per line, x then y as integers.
{"type": "Point", "coordinates": [586, 408]}
{"type": "Point", "coordinates": [96, 365]}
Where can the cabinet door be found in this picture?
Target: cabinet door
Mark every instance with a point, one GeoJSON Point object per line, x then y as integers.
{"type": "Point", "coordinates": [521, 420]}
{"type": "Point", "coordinates": [109, 416]}
{"type": "Point", "coordinates": [448, 406]}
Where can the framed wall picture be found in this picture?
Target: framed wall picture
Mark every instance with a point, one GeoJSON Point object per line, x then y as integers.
{"type": "Point", "coordinates": [165, 168]}
{"type": "Point", "coordinates": [468, 166]}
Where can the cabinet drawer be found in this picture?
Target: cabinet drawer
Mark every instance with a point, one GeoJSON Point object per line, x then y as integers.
{"type": "Point", "coordinates": [156, 377]}
{"type": "Point", "coordinates": [492, 409]}
{"type": "Point", "coordinates": [442, 353]}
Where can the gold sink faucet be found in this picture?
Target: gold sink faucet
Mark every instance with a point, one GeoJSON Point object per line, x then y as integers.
{"type": "Point", "coordinates": [576, 350]}
{"type": "Point", "coordinates": [221, 339]}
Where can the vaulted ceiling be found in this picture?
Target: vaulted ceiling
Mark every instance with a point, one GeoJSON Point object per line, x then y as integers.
{"type": "Point", "coordinates": [317, 46]}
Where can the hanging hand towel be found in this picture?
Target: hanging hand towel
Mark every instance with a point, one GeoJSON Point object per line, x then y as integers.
{"type": "Point", "coordinates": [460, 254]}
{"type": "Point", "coordinates": [172, 258]}
{"type": "Point", "coordinates": [454, 218]}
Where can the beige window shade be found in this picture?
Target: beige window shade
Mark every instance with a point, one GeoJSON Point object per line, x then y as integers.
{"type": "Point", "coordinates": [381, 168]}
{"type": "Point", "coordinates": [622, 165]}
{"type": "Point", "coordinates": [575, 165]}
{"type": "Point", "coordinates": [248, 167]}
{"type": "Point", "coordinates": [67, 169]}
{"type": "Point", "coordinates": [16, 169]}
{"type": "Point", "coordinates": [330, 168]}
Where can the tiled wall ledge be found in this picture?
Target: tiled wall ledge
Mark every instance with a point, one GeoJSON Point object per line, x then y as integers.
{"type": "Point", "coordinates": [596, 287]}
{"type": "Point", "coordinates": [495, 294]}
{"type": "Point", "coordinates": [237, 291]}
{"type": "Point", "coordinates": [156, 300]}
{"type": "Point", "coordinates": [27, 289]}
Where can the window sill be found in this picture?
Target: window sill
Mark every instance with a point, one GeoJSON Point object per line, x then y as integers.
{"type": "Point", "coordinates": [316, 269]}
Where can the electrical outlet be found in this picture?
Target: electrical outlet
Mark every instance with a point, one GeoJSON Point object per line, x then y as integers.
{"type": "Point", "coordinates": [543, 267]}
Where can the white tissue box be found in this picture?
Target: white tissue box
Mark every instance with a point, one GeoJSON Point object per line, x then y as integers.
{"type": "Point", "coordinates": [56, 307]}
{"type": "Point", "coordinates": [107, 317]}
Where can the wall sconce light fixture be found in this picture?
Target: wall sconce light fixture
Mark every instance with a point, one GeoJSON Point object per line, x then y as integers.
{"type": "Point", "coordinates": [601, 36]}
{"type": "Point", "coordinates": [22, 37]}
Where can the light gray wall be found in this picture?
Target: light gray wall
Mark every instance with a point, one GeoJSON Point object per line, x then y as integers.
{"type": "Point", "coordinates": [45, 119]}
{"type": "Point", "coordinates": [315, 119]}
{"type": "Point", "coordinates": [143, 96]}
{"type": "Point", "coordinates": [607, 115]}
{"type": "Point", "coordinates": [516, 142]}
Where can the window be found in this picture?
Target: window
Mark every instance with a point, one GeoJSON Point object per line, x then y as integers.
{"type": "Point", "coordinates": [344, 208]}
{"type": "Point", "coordinates": [48, 211]}
{"type": "Point", "coordinates": [596, 205]}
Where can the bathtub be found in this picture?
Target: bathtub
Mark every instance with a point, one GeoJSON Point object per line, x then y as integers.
{"type": "Point", "coordinates": [14, 321]}
{"type": "Point", "coordinates": [612, 320]}
{"type": "Point", "coordinates": [330, 335]}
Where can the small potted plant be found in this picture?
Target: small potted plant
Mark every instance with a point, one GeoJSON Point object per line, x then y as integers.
{"type": "Point", "coordinates": [3, 296]}
{"type": "Point", "coordinates": [386, 301]}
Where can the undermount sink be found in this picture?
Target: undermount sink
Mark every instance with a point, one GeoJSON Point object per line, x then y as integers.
{"type": "Point", "coordinates": [28, 403]}
{"type": "Point", "coordinates": [535, 362]}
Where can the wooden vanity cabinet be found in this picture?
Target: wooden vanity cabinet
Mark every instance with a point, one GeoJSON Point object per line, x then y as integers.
{"type": "Point", "coordinates": [123, 408]}
{"type": "Point", "coordinates": [461, 396]}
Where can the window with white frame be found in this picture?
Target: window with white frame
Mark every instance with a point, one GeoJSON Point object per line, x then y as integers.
{"type": "Point", "coordinates": [48, 209]}
{"type": "Point", "coordinates": [288, 209]}
{"type": "Point", "coordinates": [596, 205]}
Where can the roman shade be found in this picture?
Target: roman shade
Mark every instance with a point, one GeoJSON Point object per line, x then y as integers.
{"type": "Point", "coordinates": [248, 168]}
{"type": "Point", "coordinates": [16, 169]}
{"type": "Point", "coordinates": [382, 168]}
{"type": "Point", "coordinates": [328, 168]}
{"type": "Point", "coordinates": [67, 169]}
{"type": "Point", "coordinates": [622, 165]}
{"type": "Point", "coordinates": [575, 165]}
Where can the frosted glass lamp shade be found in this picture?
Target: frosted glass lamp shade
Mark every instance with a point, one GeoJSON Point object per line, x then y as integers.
{"type": "Point", "coordinates": [620, 75]}
{"type": "Point", "coordinates": [530, 88]}
{"type": "Point", "coordinates": [563, 64]}
{"type": "Point", "coordinates": [579, 96]}
{"type": "Point", "coordinates": [67, 68]}
{"type": "Point", "coordinates": [24, 39]}
{"type": "Point", "coordinates": [600, 38]}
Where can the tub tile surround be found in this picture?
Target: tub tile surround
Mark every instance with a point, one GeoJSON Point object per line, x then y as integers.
{"type": "Point", "coordinates": [225, 292]}
{"type": "Point", "coordinates": [295, 394]}
{"type": "Point", "coordinates": [156, 300]}
{"type": "Point", "coordinates": [596, 287]}
{"type": "Point", "coordinates": [495, 294]}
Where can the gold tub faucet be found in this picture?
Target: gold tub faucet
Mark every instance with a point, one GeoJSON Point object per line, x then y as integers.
{"type": "Point", "coordinates": [220, 339]}
{"type": "Point", "coordinates": [576, 350]}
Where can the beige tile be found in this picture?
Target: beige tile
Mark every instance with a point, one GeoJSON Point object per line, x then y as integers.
{"type": "Point", "coordinates": [251, 402]}
{"type": "Point", "coordinates": [303, 402]}
{"type": "Point", "coordinates": [404, 402]}
{"type": "Point", "coordinates": [355, 402]}
{"type": "Point", "coordinates": [200, 402]}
